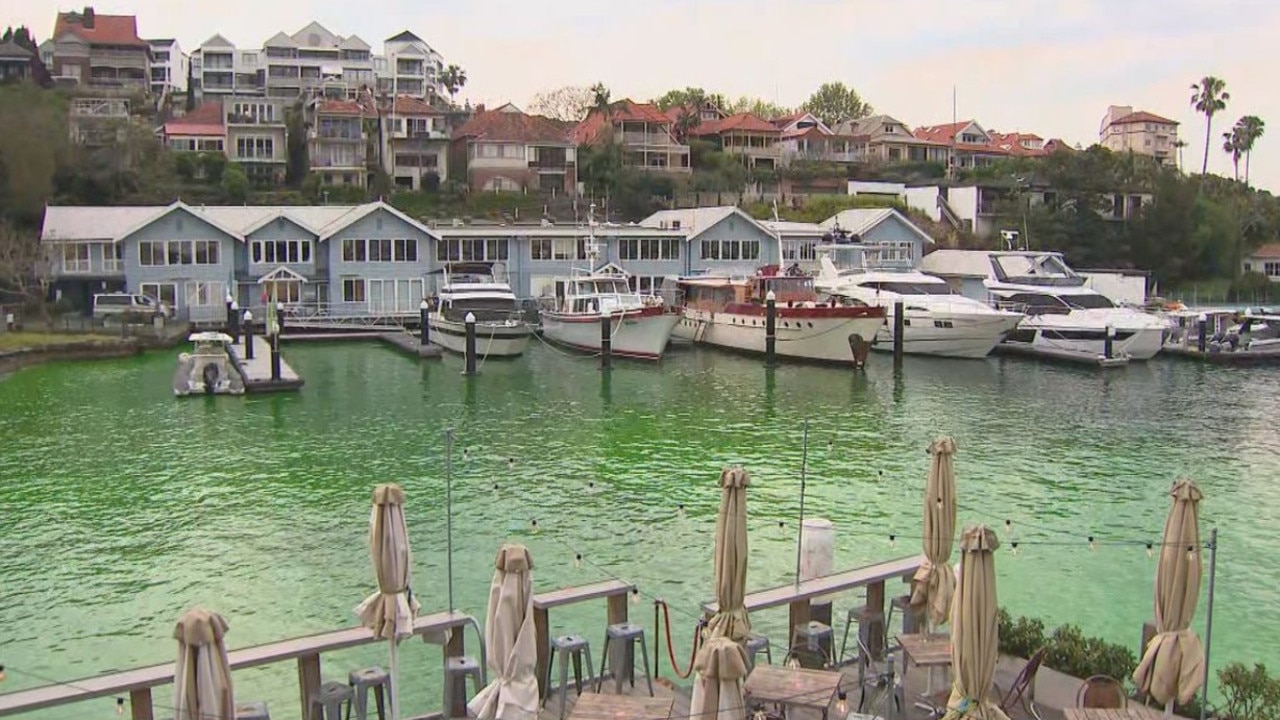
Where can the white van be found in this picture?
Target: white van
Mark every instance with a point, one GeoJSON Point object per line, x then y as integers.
{"type": "Point", "coordinates": [112, 304]}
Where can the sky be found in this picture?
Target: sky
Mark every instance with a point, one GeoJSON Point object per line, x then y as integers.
{"type": "Point", "coordinates": [1051, 68]}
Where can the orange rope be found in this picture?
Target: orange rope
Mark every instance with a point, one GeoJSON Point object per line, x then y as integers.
{"type": "Point", "coordinates": [671, 648]}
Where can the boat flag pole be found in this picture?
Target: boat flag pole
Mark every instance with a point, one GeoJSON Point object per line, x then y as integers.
{"type": "Point", "coordinates": [448, 512]}
{"type": "Point", "coordinates": [804, 468]}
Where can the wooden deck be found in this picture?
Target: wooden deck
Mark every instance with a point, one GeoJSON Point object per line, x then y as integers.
{"type": "Point", "coordinates": [665, 695]}
{"type": "Point", "coordinates": [410, 344]}
{"type": "Point", "coordinates": [256, 371]}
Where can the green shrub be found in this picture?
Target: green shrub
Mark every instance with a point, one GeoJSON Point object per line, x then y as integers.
{"type": "Point", "coordinates": [1066, 648]}
{"type": "Point", "coordinates": [1249, 694]}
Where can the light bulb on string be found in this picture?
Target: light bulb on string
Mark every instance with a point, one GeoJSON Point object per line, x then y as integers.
{"type": "Point", "coordinates": [495, 487]}
{"type": "Point", "coordinates": [781, 524]}
{"type": "Point", "coordinates": [1092, 545]}
{"type": "Point", "coordinates": [680, 510]}
{"type": "Point", "coordinates": [760, 715]}
{"type": "Point", "coordinates": [831, 443]}
{"type": "Point", "coordinates": [1008, 527]}
{"type": "Point", "coordinates": [533, 524]}
{"type": "Point", "coordinates": [793, 661]}
{"type": "Point", "coordinates": [119, 706]}
{"type": "Point", "coordinates": [466, 453]}
{"type": "Point", "coordinates": [635, 596]}
{"type": "Point", "coordinates": [842, 706]}
{"type": "Point", "coordinates": [511, 464]}
{"type": "Point", "coordinates": [577, 561]}
{"type": "Point", "coordinates": [1191, 553]}
{"type": "Point", "coordinates": [938, 502]}
{"type": "Point", "coordinates": [893, 541]}
{"type": "Point", "coordinates": [1013, 546]}
{"type": "Point", "coordinates": [1150, 551]}
{"type": "Point", "coordinates": [2, 675]}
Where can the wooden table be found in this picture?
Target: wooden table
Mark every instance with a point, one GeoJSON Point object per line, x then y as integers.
{"type": "Point", "coordinates": [1132, 712]}
{"type": "Point", "coordinates": [796, 687]}
{"type": "Point", "coordinates": [594, 706]}
{"type": "Point", "coordinates": [925, 651]}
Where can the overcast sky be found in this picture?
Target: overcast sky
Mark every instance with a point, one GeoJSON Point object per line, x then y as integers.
{"type": "Point", "coordinates": [1029, 65]}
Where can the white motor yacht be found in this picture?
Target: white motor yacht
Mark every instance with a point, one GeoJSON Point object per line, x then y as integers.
{"type": "Point", "coordinates": [474, 289]}
{"type": "Point", "coordinates": [1064, 318]}
{"type": "Point", "coordinates": [936, 320]}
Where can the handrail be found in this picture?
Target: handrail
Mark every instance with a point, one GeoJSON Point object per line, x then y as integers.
{"type": "Point", "coordinates": [120, 683]}
{"type": "Point", "coordinates": [827, 584]}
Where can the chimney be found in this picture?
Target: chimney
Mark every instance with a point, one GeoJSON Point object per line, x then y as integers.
{"type": "Point", "coordinates": [87, 21]}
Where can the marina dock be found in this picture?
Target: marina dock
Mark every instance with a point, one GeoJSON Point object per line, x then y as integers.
{"type": "Point", "coordinates": [1236, 357]}
{"type": "Point", "coordinates": [411, 344]}
{"type": "Point", "coordinates": [256, 371]}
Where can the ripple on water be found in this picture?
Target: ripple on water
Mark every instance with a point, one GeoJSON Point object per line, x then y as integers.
{"type": "Point", "coordinates": [127, 507]}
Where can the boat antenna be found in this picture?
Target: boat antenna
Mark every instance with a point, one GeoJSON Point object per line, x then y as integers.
{"type": "Point", "coordinates": [804, 468]}
{"type": "Point", "coordinates": [448, 512]}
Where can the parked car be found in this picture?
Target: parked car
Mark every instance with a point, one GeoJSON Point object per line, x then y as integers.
{"type": "Point", "coordinates": [107, 305]}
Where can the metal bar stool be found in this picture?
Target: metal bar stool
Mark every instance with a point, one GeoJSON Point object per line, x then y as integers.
{"type": "Point", "coordinates": [757, 644]}
{"type": "Point", "coordinates": [618, 639]}
{"type": "Point", "coordinates": [373, 678]}
{"type": "Point", "coordinates": [327, 701]}
{"type": "Point", "coordinates": [569, 649]}
{"type": "Point", "coordinates": [810, 636]}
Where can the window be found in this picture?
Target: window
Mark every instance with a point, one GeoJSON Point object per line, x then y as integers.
{"type": "Point", "coordinates": [645, 284]}
{"type": "Point", "coordinates": [280, 251]}
{"type": "Point", "coordinates": [406, 250]}
{"type": "Point", "coordinates": [1248, 267]}
{"type": "Point", "coordinates": [112, 257]}
{"type": "Point", "coordinates": [166, 293]}
{"type": "Point", "coordinates": [253, 112]}
{"type": "Point", "coordinates": [730, 249]}
{"type": "Point", "coordinates": [796, 250]}
{"type": "Point", "coordinates": [353, 250]}
{"type": "Point", "coordinates": [75, 258]}
{"type": "Point", "coordinates": [205, 294]}
{"type": "Point", "coordinates": [1271, 269]}
{"type": "Point", "coordinates": [178, 252]}
{"type": "Point", "coordinates": [255, 148]}
{"type": "Point", "coordinates": [474, 250]}
{"type": "Point", "coordinates": [649, 249]}
{"type": "Point", "coordinates": [353, 290]}
{"type": "Point", "coordinates": [380, 250]}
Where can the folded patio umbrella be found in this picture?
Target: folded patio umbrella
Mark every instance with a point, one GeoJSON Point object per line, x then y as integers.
{"type": "Point", "coordinates": [1172, 667]}
{"type": "Point", "coordinates": [974, 631]}
{"type": "Point", "coordinates": [933, 585]}
{"type": "Point", "coordinates": [510, 641]}
{"type": "Point", "coordinates": [202, 673]}
{"type": "Point", "coordinates": [389, 613]}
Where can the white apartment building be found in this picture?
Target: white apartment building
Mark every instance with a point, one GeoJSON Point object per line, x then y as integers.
{"type": "Point", "coordinates": [1123, 130]}
{"type": "Point", "coordinates": [315, 61]}
{"type": "Point", "coordinates": [169, 66]}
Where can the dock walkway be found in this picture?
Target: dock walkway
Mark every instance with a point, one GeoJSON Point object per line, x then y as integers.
{"type": "Point", "coordinates": [410, 343]}
{"type": "Point", "coordinates": [256, 371]}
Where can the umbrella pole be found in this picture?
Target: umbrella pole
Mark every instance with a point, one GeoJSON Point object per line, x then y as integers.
{"type": "Point", "coordinates": [804, 468]}
{"type": "Point", "coordinates": [395, 691]}
{"type": "Point", "coordinates": [1208, 621]}
{"type": "Point", "coordinates": [448, 511]}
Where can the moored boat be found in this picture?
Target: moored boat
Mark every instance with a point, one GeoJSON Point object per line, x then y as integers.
{"type": "Point", "coordinates": [473, 289]}
{"type": "Point", "coordinates": [207, 369]}
{"type": "Point", "coordinates": [731, 313]}
{"type": "Point", "coordinates": [639, 325]}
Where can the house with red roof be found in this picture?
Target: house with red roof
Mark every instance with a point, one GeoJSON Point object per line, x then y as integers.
{"type": "Point", "coordinates": [100, 51]}
{"type": "Point", "coordinates": [201, 130]}
{"type": "Point", "coordinates": [1142, 132]}
{"type": "Point", "coordinates": [969, 144]}
{"type": "Point", "coordinates": [885, 139]}
{"type": "Point", "coordinates": [745, 135]}
{"type": "Point", "coordinates": [337, 146]}
{"type": "Point", "coordinates": [1265, 260]}
{"type": "Point", "coordinates": [509, 150]}
{"type": "Point", "coordinates": [415, 137]}
{"type": "Point", "coordinates": [647, 136]}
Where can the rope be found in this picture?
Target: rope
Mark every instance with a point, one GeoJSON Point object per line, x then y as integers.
{"type": "Point", "coordinates": [671, 649]}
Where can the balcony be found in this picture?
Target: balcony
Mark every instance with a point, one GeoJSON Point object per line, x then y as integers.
{"type": "Point", "coordinates": [341, 163]}
{"type": "Point", "coordinates": [554, 166]}
{"type": "Point", "coordinates": [336, 135]}
{"type": "Point", "coordinates": [647, 139]}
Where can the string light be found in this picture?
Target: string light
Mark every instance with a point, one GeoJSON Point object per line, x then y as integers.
{"type": "Point", "coordinates": [793, 661]}
{"type": "Point", "coordinates": [635, 596]}
{"type": "Point", "coordinates": [511, 464]}
{"type": "Point", "coordinates": [577, 561]}
{"type": "Point", "coordinates": [495, 487]}
{"type": "Point", "coordinates": [1092, 546]}
{"type": "Point", "coordinates": [831, 444]}
{"type": "Point", "coordinates": [119, 706]}
{"type": "Point", "coordinates": [533, 523]}
{"type": "Point", "coordinates": [2, 675]}
{"type": "Point", "coordinates": [1008, 527]}
{"type": "Point", "coordinates": [466, 453]}
{"type": "Point", "coordinates": [680, 510]}
{"type": "Point", "coordinates": [939, 503]}
{"type": "Point", "coordinates": [842, 706]}
{"type": "Point", "coordinates": [1013, 547]}
{"type": "Point", "coordinates": [1150, 552]}
{"type": "Point", "coordinates": [781, 524]}
{"type": "Point", "coordinates": [1191, 553]}
{"type": "Point", "coordinates": [893, 541]}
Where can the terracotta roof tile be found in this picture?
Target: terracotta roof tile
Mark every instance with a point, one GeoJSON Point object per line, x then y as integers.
{"type": "Point", "coordinates": [106, 30]}
{"type": "Point", "coordinates": [621, 111]}
{"type": "Point", "coordinates": [206, 119]}
{"type": "Point", "coordinates": [507, 125]}
{"type": "Point", "coordinates": [1142, 116]}
{"type": "Point", "coordinates": [409, 105]}
{"type": "Point", "coordinates": [1270, 250]}
{"type": "Point", "coordinates": [745, 122]}
{"type": "Point", "coordinates": [341, 107]}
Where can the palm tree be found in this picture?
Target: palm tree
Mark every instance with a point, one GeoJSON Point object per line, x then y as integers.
{"type": "Point", "coordinates": [600, 97]}
{"type": "Point", "coordinates": [1231, 145]}
{"type": "Point", "coordinates": [1180, 144]}
{"type": "Point", "coordinates": [1208, 97]}
{"type": "Point", "coordinates": [454, 79]}
{"type": "Point", "coordinates": [1249, 129]}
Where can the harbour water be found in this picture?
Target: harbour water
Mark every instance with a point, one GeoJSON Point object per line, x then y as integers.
{"type": "Point", "coordinates": [122, 506]}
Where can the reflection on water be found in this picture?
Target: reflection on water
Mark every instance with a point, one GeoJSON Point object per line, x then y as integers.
{"type": "Point", "coordinates": [123, 507]}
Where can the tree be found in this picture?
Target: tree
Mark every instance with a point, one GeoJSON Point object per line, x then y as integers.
{"type": "Point", "coordinates": [1231, 145]}
{"type": "Point", "coordinates": [453, 78]}
{"type": "Point", "coordinates": [690, 97]}
{"type": "Point", "coordinates": [24, 268]}
{"type": "Point", "coordinates": [34, 144]}
{"type": "Point", "coordinates": [567, 104]}
{"type": "Point", "coordinates": [235, 183]}
{"type": "Point", "coordinates": [600, 99]}
{"type": "Point", "coordinates": [836, 102]}
{"type": "Point", "coordinates": [1250, 129]}
{"type": "Point", "coordinates": [1208, 97]}
{"type": "Point", "coordinates": [297, 161]}
{"type": "Point", "coordinates": [762, 109]}
{"type": "Point", "coordinates": [191, 88]}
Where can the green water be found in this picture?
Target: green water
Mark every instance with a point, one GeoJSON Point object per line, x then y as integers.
{"type": "Point", "coordinates": [120, 506]}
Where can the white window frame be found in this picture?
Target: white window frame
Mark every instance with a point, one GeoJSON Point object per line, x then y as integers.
{"type": "Point", "coordinates": [151, 250]}
{"type": "Point", "coordinates": [649, 249]}
{"type": "Point", "coordinates": [157, 291]}
{"type": "Point", "coordinates": [267, 252]}
{"type": "Point", "coordinates": [76, 258]}
{"type": "Point", "coordinates": [355, 282]}
{"type": "Point", "coordinates": [730, 250]}
{"type": "Point", "coordinates": [359, 250]}
{"type": "Point", "coordinates": [204, 293]}
{"type": "Point", "coordinates": [474, 250]}
{"type": "Point", "coordinates": [112, 257]}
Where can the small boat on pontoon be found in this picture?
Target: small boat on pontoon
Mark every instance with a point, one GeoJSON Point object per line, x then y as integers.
{"type": "Point", "coordinates": [208, 368]}
{"type": "Point", "coordinates": [475, 289]}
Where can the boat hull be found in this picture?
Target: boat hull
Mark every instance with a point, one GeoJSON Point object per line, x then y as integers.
{"type": "Point", "coordinates": [1053, 341]}
{"type": "Point", "coordinates": [642, 334]}
{"type": "Point", "coordinates": [949, 334]}
{"type": "Point", "coordinates": [808, 336]}
{"type": "Point", "coordinates": [492, 339]}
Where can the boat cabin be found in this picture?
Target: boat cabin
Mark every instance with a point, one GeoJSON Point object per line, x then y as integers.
{"type": "Point", "coordinates": [1032, 268]}
{"type": "Point", "coordinates": [597, 294]}
{"type": "Point", "coordinates": [713, 294]}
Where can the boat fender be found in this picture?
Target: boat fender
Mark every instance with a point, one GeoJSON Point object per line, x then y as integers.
{"type": "Point", "coordinates": [210, 374]}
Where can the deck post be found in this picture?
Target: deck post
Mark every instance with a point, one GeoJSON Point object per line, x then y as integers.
{"type": "Point", "coordinates": [1202, 342]}
{"type": "Point", "coordinates": [875, 605]}
{"type": "Point", "coordinates": [140, 707]}
{"type": "Point", "coordinates": [606, 340]}
{"type": "Point", "coordinates": [233, 321]}
{"type": "Point", "coordinates": [542, 639]}
{"type": "Point", "coordinates": [470, 347]}
{"type": "Point", "coordinates": [425, 336]}
{"type": "Point", "coordinates": [456, 647]}
{"type": "Point", "coordinates": [770, 329]}
{"type": "Point", "coordinates": [275, 355]}
{"type": "Point", "coordinates": [308, 680]}
{"type": "Point", "coordinates": [248, 335]}
{"type": "Point", "coordinates": [798, 613]}
{"type": "Point", "coordinates": [899, 329]}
